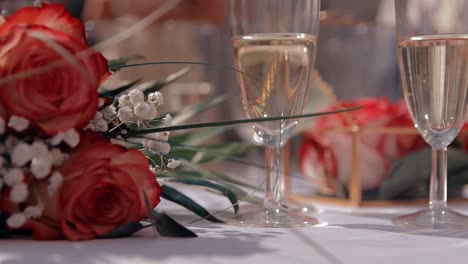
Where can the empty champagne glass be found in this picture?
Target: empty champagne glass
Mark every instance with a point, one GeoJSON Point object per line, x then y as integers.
{"type": "Point", "coordinates": [274, 45]}
{"type": "Point", "coordinates": [433, 61]}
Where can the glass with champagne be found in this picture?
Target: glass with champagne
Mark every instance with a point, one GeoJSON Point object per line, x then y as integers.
{"type": "Point", "coordinates": [433, 61]}
{"type": "Point", "coordinates": [274, 45]}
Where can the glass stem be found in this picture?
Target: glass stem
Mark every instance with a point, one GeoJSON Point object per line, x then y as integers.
{"type": "Point", "coordinates": [438, 187]}
{"type": "Point", "coordinates": [273, 181]}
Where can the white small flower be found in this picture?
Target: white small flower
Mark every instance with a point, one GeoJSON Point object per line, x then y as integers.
{"type": "Point", "coordinates": [136, 96]}
{"type": "Point", "coordinates": [13, 176]}
{"type": "Point", "coordinates": [109, 112]}
{"type": "Point", "coordinates": [89, 126]}
{"type": "Point", "coordinates": [72, 138]}
{"type": "Point", "coordinates": [156, 146]}
{"type": "Point", "coordinates": [126, 115]}
{"type": "Point", "coordinates": [173, 163]}
{"type": "Point", "coordinates": [55, 181]}
{"type": "Point", "coordinates": [161, 136]}
{"type": "Point", "coordinates": [98, 116]}
{"type": "Point", "coordinates": [101, 126]}
{"type": "Point", "coordinates": [153, 169]}
{"type": "Point", "coordinates": [18, 123]}
{"type": "Point", "coordinates": [10, 142]}
{"type": "Point", "coordinates": [19, 193]}
{"type": "Point", "coordinates": [39, 148]}
{"type": "Point", "coordinates": [156, 98]}
{"type": "Point", "coordinates": [167, 120]}
{"type": "Point", "coordinates": [16, 220]}
{"type": "Point", "coordinates": [2, 126]}
{"type": "Point", "coordinates": [57, 139]}
{"type": "Point", "coordinates": [101, 102]}
{"type": "Point", "coordinates": [40, 167]}
{"type": "Point", "coordinates": [34, 211]}
{"type": "Point", "coordinates": [142, 110]}
{"type": "Point", "coordinates": [57, 156]}
{"type": "Point", "coordinates": [124, 101]}
{"type": "Point", "coordinates": [21, 154]}
{"type": "Point", "coordinates": [153, 112]}
{"type": "Point", "coordinates": [118, 141]}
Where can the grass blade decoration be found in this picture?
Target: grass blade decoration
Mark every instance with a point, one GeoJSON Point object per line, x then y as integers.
{"type": "Point", "coordinates": [204, 183]}
{"type": "Point", "coordinates": [174, 195]}
{"type": "Point", "coordinates": [135, 132]}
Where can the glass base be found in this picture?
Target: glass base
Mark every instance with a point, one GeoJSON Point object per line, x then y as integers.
{"type": "Point", "coordinates": [260, 216]}
{"type": "Point", "coordinates": [433, 218]}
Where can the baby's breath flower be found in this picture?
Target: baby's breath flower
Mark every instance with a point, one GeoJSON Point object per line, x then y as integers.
{"type": "Point", "coordinates": [156, 146]}
{"type": "Point", "coordinates": [19, 193]}
{"type": "Point", "coordinates": [18, 123]}
{"type": "Point", "coordinates": [55, 181]}
{"type": "Point", "coordinates": [39, 148]}
{"type": "Point", "coordinates": [172, 164]}
{"type": "Point", "coordinates": [16, 220]}
{"type": "Point", "coordinates": [136, 96]}
{"type": "Point", "coordinates": [10, 142]}
{"type": "Point", "coordinates": [90, 126]}
{"type": "Point", "coordinates": [124, 101]}
{"type": "Point", "coordinates": [142, 110]}
{"type": "Point", "coordinates": [167, 120]}
{"type": "Point", "coordinates": [21, 154]}
{"type": "Point", "coordinates": [156, 98]}
{"type": "Point", "coordinates": [98, 116]}
{"type": "Point", "coordinates": [13, 176]}
{"type": "Point", "coordinates": [72, 138]}
{"type": "Point", "coordinates": [126, 115]}
{"type": "Point", "coordinates": [101, 102]}
{"type": "Point", "coordinates": [161, 136]}
{"type": "Point", "coordinates": [57, 156]}
{"type": "Point", "coordinates": [101, 126]}
{"type": "Point", "coordinates": [109, 112]}
{"type": "Point", "coordinates": [34, 211]}
{"type": "Point", "coordinates": [40, 167]}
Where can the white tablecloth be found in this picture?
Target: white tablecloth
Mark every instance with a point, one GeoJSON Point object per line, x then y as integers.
{"type": "Point", "coordinates": [352, 236]}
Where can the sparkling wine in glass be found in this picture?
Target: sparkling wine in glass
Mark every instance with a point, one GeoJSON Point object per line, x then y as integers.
{"type": "Point", "coordinates": [433, 61]}
{"type": "Point", "coordinates": [274, 45]}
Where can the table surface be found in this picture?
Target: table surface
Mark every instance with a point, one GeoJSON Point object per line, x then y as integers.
{"type": "Point", "coordinates": [362, 235]}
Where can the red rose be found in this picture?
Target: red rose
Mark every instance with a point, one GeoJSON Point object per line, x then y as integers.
{"type": "Point", "coordinates": [328, 153]}
{"type": "Point", "coordinates": [55, 99]}
{"type": "Point", "coordinates": [102, 189]}
{"type": "Point", "coordinates": [55, 17]}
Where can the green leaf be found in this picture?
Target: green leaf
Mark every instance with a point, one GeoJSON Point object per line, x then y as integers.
{"type": "Point", "coordinates": [216, 186]}
{"type": "Point", "coordinates": [151, 213]}
{"type": "Point", "coordinates": [117, 91]}
{"type": "Point", "coordinates": [117, 64]}
{"type": "Point", "coordinates": [175, 196]}
{"type": "Point", "coordinates": [167, 226]}
{"type": "Point", "coordinates": [169, 79]}
{"type": "Point", "coordinates": [233, 122]}
{"type": "Point", "coordinates": [124, 230]}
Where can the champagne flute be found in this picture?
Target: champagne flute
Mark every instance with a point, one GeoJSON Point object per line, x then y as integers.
{"type": "Point", "coordinates": [433, 62]}
{"type": "Point", "coordinates": [274, 45]}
